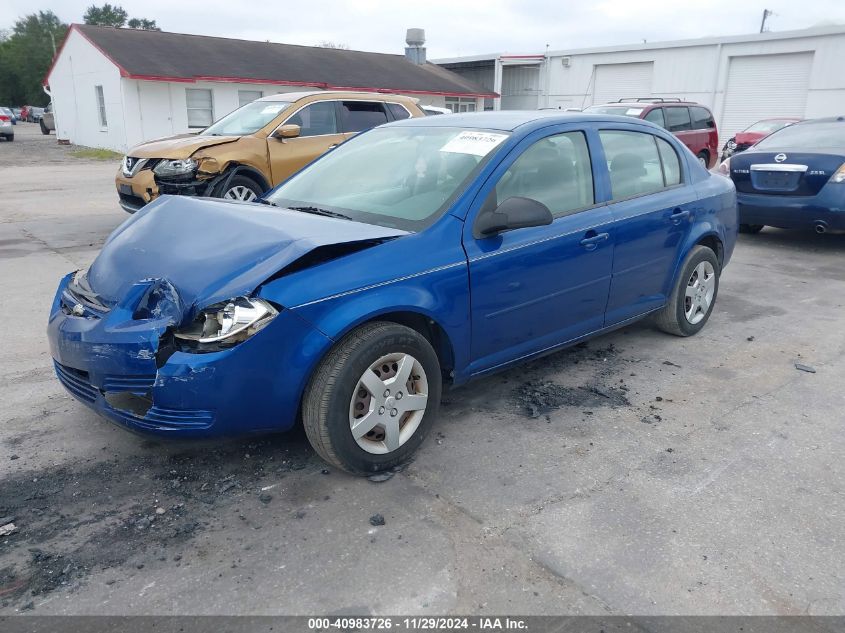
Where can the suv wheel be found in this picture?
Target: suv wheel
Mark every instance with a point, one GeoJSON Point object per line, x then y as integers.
{"type": "Point", "coordinates": [693, 296]}
{"type": "Point", "coordinates": [44, 129]}
{"type": "Point", "coordinates": [372, 398]}
{"type": "Point", "coordinates": [704, 159]}
{"type": "Point", "coordinates": [241, 188]}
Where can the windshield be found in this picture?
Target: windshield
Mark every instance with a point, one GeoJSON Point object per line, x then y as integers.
{"type": "Point", "coordinates": [807, 136]}
{"type": "Point", "coordinates": [620, 110]}
{"type": "Point", "coordinates": [399, 177]}
{"type": "Point", "coordinates": [767, 127]}
{"type": "Point", "coordinates": [247, 119]}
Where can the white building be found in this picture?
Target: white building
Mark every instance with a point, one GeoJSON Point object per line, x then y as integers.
{"type": "Point", "coordinates": [742, 79]}
{"type": "Point", "coordinates": [114, 88]}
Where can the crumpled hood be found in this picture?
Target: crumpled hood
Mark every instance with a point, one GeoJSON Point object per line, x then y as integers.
{"type": "Point", "coordinates": [178, 146]}
{"type": "Point", "coordinates": [212, 250]}
{"type": "Point", "coordinates": [748, 138]}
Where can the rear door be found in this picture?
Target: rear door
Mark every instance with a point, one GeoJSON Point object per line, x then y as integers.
{"type": "Point", "coordinates": [652, 212]}
{"type": "Point", "coordinates": [319, 131]}
{"type": "Point", "coordinates": [357, 116]}
{"type": "Point", "coordinates": [679, 123]}
{"type": "Point", "coordinates": [707, 138]}
{"type": "Point", "coordinates": [535, 288]}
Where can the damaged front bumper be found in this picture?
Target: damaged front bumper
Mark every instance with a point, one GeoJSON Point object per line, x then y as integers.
{"type": "Point", "coordinates": [128, 370]}
{"type": "Point", "coordinates": [136, 192]}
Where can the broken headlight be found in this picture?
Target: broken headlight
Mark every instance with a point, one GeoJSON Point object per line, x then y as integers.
{"type": "Point", "coordinates": [228, 323]}
{"type": "Point", "coordinates": [172, 168]}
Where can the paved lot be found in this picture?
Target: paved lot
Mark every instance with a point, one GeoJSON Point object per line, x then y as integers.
{"type": "Point", "coordinates": [695, 476]}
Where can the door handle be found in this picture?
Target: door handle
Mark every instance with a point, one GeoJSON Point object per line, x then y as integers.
{"type": "Point", "coordinates": [678, 215]}
{"type": "Point", "coordinates": [333, 146]}
{"type": "Point", "coordinates": [591, 241]}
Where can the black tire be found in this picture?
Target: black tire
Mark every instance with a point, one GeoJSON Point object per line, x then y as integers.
{"type": "Point", "coordinates": [672, 318]}
{"type": "Point", "coordinates": [238, 181]}
{"type": "Point", "coordinates": [10, 138]}
{"type": "Point", "coordinates": [751, 228]}
{"type": "Point", "coordinates": [705, 157]}
{"type": "Point", "coordinates": [328, 396]}
{"type": "Point", "coordinates": [44, 129]}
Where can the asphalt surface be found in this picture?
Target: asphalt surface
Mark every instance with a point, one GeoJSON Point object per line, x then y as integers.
{"type": "Point", "coordinates": [639, 474]}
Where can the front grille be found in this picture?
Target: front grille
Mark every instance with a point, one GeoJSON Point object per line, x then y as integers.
{"type": "Point", "coordinates": [77, 383]}
{"type": "Point", "coordinates": [135, 384]}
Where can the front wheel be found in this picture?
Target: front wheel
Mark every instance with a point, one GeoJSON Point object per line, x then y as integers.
{"type": "Point", "coordinates": [44, 129]}
{"type": "Point", "coordinates": [693, 296]}
{"type": "Point", "coordinates": [751, 228]}
{"type": "Point", "coordinates": [240, 188]}
{"type": "Point", "coordinates": [372, 398]}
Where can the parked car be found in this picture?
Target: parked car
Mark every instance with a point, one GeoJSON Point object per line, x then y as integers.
{"type": "Point", "coordinates": [257, 146]}
{"type": "Point", "coordinates": [6, 129]}
{"type": "Point", "coordinates": [691, 122]}
{"type": "Point", "coordinates": [793, 178]}
{"type": "Point", "coordinates": [48, 120]}
{"type": "Point", "coordinates": [17, 113]}
{"type": "Point", "coordinates": [741, 141]}
{"type": "Point", "coordinates": [10, 113]}
{"type": "Point", "coordinates": [34, 114]}
{"type": "Point", "coordinates": [347, 294]}
{"type": "Point", "coordinates": [434, 110]}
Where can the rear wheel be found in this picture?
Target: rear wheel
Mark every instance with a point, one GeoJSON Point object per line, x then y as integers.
{"type": "Point", "coordinates": [751, 228]}
{"type": "Point", "coordinates": [373, 397]}
{"type": "Point", "coordinates": [704, 159]}
{"type": "Point", "coordinates": [240, 188]}
{"type": "Point", "coordinates": [10, 137]}
{"type": "Point", "coordinates": [693, 296]}
{"type": "Point", "coordinates": [44, 129]}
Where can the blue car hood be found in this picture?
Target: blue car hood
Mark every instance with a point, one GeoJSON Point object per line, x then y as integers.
{"type": "Point", "coordinates": [212, 250]}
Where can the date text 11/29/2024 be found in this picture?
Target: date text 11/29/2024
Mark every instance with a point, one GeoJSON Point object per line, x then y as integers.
{"type": "Point", "coordinates": [417, 624]}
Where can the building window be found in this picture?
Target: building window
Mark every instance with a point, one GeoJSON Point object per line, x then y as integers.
{"type": "Point", "coordinates": [460, 104]}
{"type": "Point", "coordinates": [200, 110]}
{"type": "Point", "coordinates": [248, 96]}
{"type": "Point", "coordinates": [101, 106]}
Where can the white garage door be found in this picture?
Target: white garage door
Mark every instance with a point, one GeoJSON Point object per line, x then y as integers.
{"type": "Point", "coordinates": [764, 87]}
{"type": "Point", "coordinates": [620, 81]}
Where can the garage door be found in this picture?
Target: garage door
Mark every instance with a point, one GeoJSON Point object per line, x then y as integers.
{"type": "Point", "coordinates": [764, 87]}
{"type": "Point", "coordinates": [619, 81]}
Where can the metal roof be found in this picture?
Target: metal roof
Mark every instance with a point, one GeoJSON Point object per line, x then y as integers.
{"type": "Point", "coordinates": [163, 56]}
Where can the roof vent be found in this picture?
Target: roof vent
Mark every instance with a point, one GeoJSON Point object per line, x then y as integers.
{"type": "Point", "coordinates": [415, 51]}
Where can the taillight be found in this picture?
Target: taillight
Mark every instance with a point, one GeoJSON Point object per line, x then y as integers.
{"type": "Point", "coordinates": [839, 176]}
{"type": "Point", "coordinates": [725, 167]}
{"type": "Point", "coordinates": [3, 117]}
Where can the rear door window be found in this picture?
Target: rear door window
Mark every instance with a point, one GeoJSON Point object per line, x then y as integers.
{"type": "Point", "coordinates": [316, 119]}
{"type": "Point", "coordinates": [633, 162]}
{"type": "Point", "coordinates": [671, 162]}
{"type": "Point", "coordinates": [362, 115]}
{"type": "Point", "coordinates": [701, 118]}
{"type": "Point", "coordinates": [678, 119]}
{"type": "Point", "coordinates": [656, 116]}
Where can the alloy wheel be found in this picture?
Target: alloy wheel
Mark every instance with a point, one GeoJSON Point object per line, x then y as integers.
{"type": "Point", "coordinates": [388, 403]}
{"type": "Point", "coordinates": [240, 192]}
{"type": "Point", "coordinates": [701, 287]}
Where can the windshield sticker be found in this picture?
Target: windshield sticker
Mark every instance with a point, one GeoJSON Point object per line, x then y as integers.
{"type": "Point", "coordinates": [634, 111]}
{"type": "Point", "coordinates": [475, 143]}
{"type": "Point", "coordinates": [273, 108]}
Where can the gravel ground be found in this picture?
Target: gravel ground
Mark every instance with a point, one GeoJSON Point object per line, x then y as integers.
{"type": "Point", "coordinates": [636, 474]}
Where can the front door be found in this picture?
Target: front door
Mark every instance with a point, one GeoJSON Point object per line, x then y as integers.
{"type": "Point", "coordinates": [319, 132]}
{"type": "Point", "coordinates": [652, 215]}
{"type": "Point", "coordinates": [535, 288]}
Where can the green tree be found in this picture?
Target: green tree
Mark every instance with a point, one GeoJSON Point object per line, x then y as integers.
{"type": "Point", "coordinates": [106, 15]}
{"type": "Point", "coordinates": [143, 24]}
{"type": "Point", "coordinates": [25, 57]}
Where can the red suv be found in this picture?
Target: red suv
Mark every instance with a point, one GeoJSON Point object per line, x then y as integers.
{"type": "Point", "coordinates": [691, 122]}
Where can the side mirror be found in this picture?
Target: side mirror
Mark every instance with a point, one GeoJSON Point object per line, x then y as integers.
{"type": "Point", "coordinates": [513, 213]}
{"type": "Point", "coordinates": [289, 130]}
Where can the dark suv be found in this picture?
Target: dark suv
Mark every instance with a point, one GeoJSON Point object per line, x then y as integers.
{"type": "Point", "coordinates": [691, 122]}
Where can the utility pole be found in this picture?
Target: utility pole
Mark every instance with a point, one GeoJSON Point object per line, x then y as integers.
{"type": "Point", "coordinates": [766, 15]}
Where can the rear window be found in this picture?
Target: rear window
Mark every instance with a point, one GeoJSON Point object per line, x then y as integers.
{"type": "Point", "coordinates": [362, 115]}
{"type": "Point", "coordinates": [398, 111]}
{"type": "Point", "coordinates": [827, 135]}
{"type": "Point", "coordinates": [701, 118]}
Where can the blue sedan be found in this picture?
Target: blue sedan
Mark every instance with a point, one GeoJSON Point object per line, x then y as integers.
{"type": "Point", "coordinates": [422, 253]}
{"type": "Point", "coordinates": [793, 179]}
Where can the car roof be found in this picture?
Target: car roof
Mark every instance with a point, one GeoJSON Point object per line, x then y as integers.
{"type": "Point", "coordinates": [510, 120]}
{"type": "Point", "coordinates": [290, 97]}
{"type": "Point", "coordinates": [647, 104]}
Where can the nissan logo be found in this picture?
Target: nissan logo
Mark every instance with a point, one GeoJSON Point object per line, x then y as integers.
{"type": "Point", "coordinates": [780, 158]}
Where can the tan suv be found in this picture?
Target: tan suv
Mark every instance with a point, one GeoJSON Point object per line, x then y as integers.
{"type": "Point", "coordinates": [253, 148]}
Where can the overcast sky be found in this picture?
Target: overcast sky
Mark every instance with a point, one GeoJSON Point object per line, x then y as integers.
{"type": "Point", "coordinates": [458, 27]}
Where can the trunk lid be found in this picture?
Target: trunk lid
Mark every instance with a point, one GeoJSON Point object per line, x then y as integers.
{"type": "Point", "coordinates": [789, 173]}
